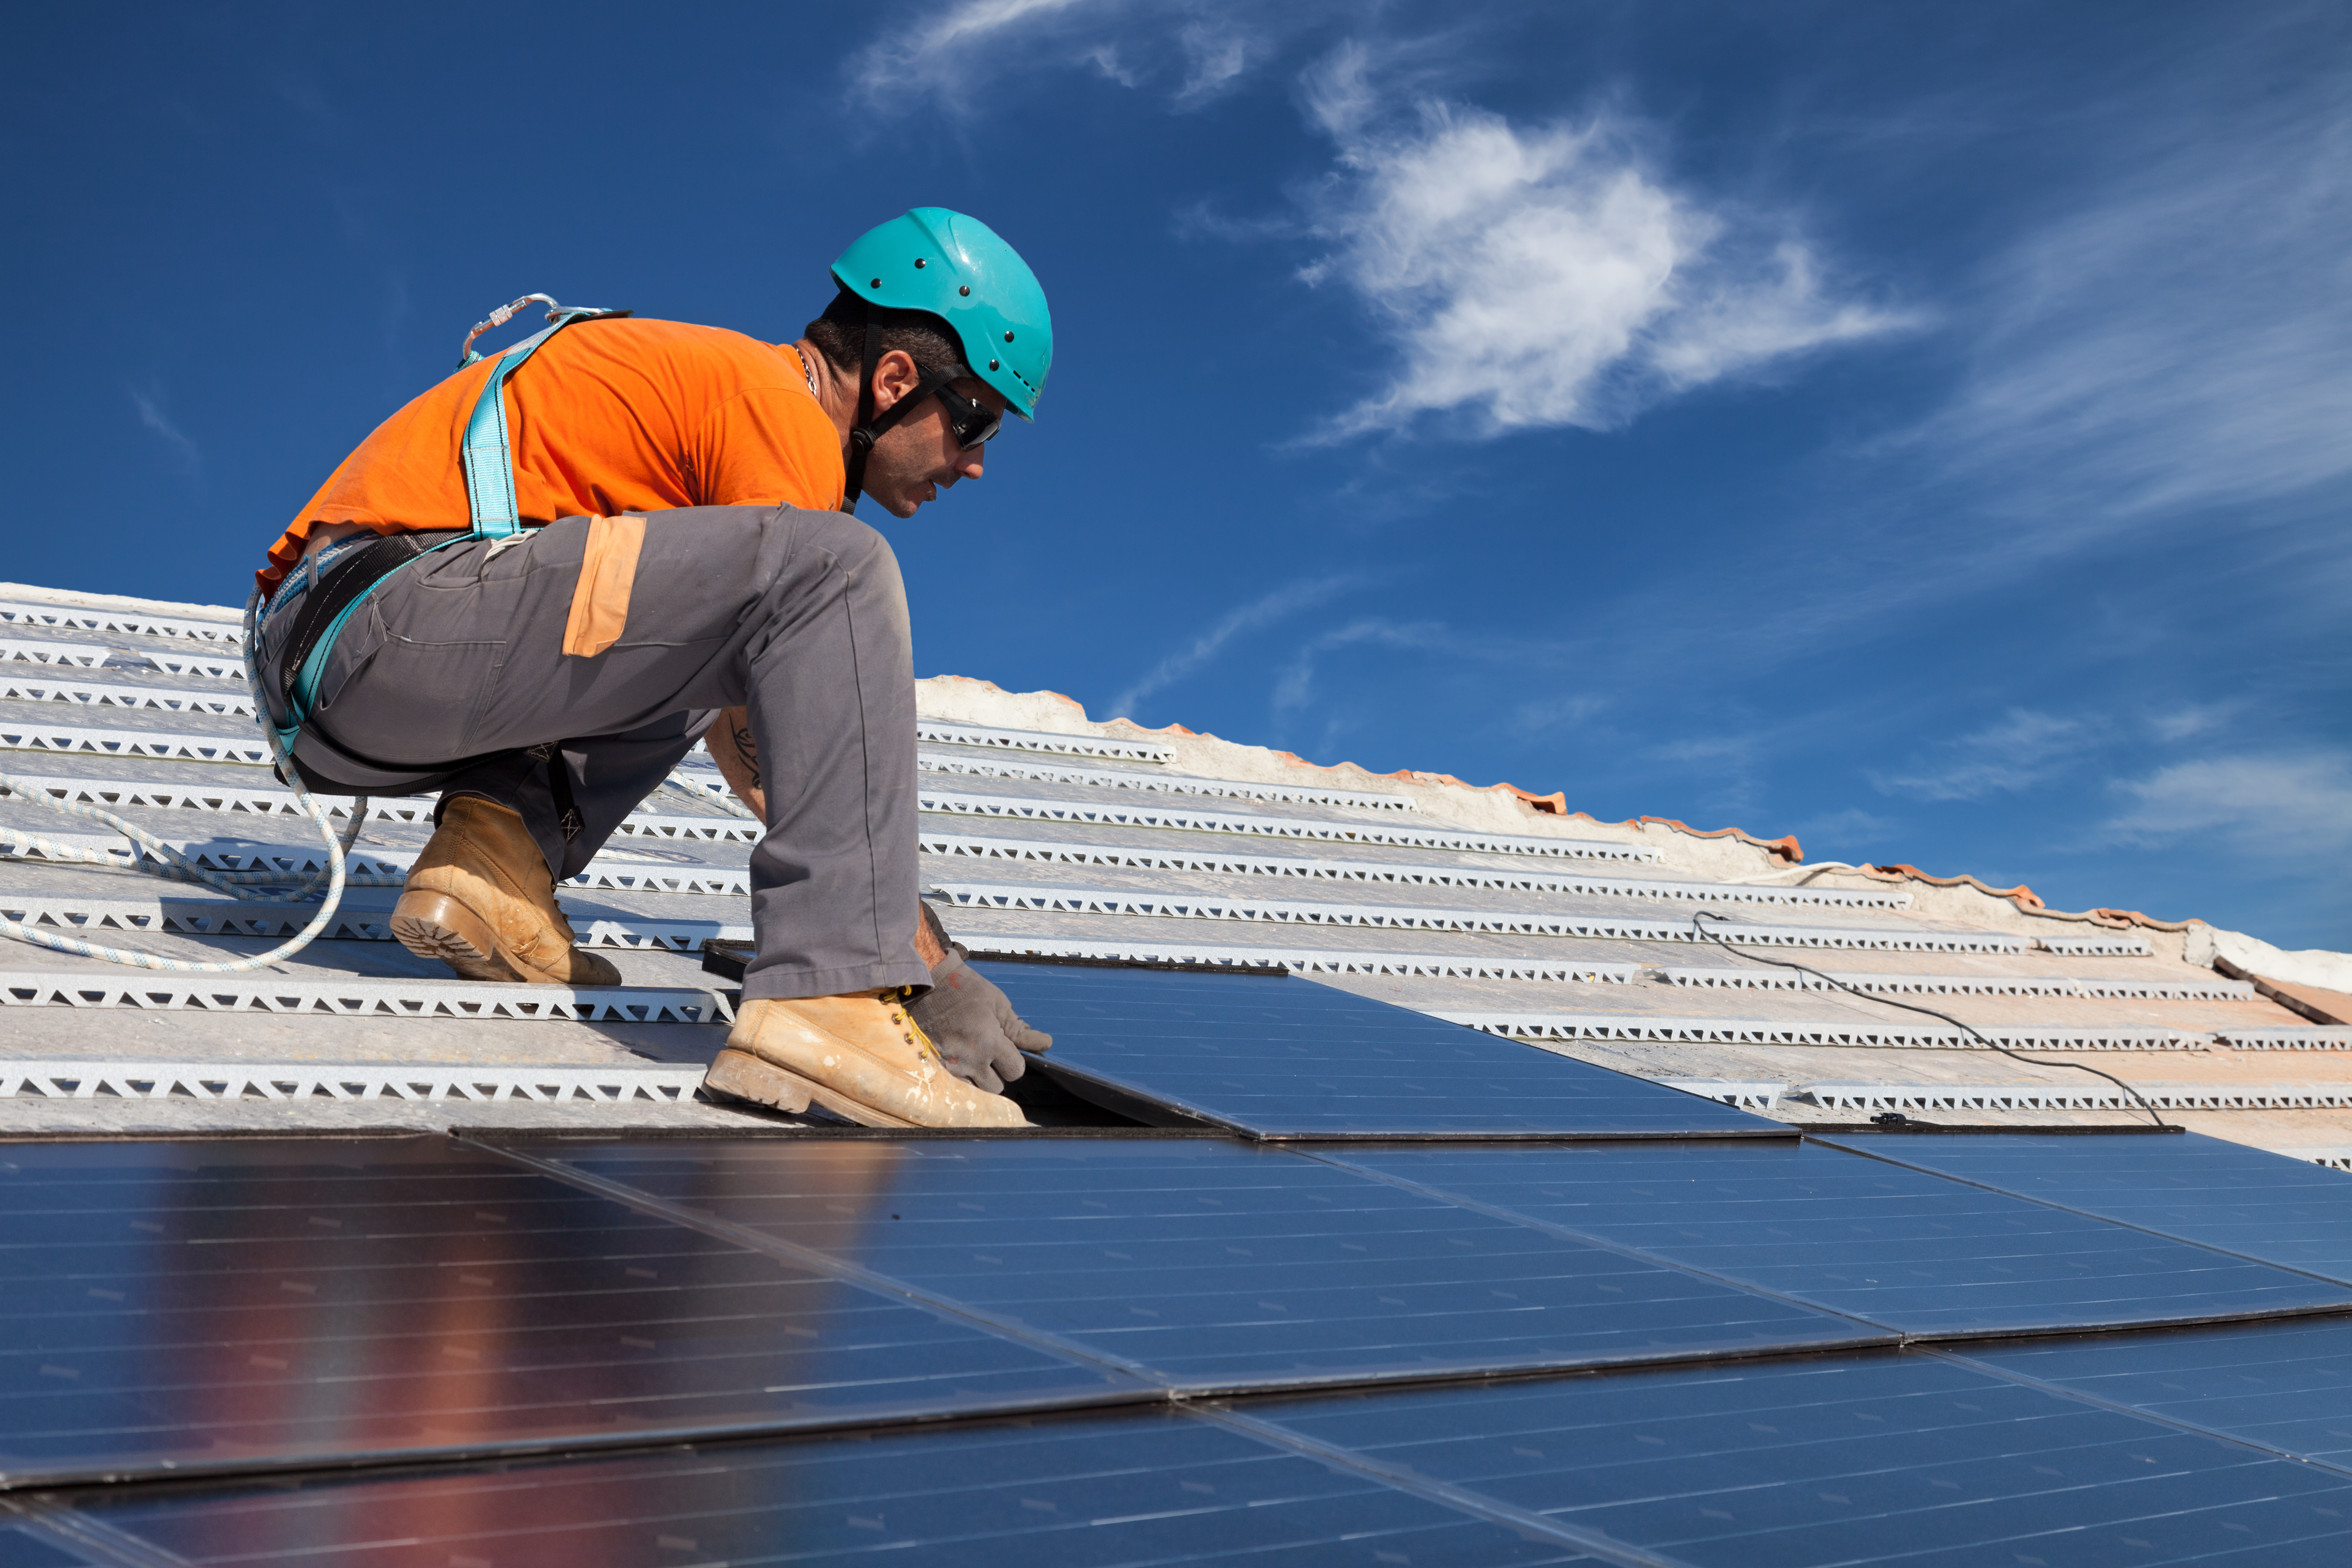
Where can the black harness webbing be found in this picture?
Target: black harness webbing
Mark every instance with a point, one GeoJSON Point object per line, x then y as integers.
{"type": "Point", "coordinates": [337, 592]}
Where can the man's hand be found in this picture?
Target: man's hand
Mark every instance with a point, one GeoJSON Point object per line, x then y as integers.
{"type": "Point", "coordinates": [980, 1037]}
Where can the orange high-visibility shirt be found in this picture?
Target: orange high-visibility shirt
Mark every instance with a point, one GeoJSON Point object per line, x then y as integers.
{"type": "Point", "coordinates": [610, 415]}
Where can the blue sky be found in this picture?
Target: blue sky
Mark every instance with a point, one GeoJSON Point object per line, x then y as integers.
{"type": "Point", "coordinates": [1925, 430]}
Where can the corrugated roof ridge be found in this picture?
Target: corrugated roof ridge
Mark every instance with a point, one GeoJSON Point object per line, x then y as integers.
{"type": "Point", "coordinates": [27, 593]}
{"type": "Point", "coordinates": [2027, 900]}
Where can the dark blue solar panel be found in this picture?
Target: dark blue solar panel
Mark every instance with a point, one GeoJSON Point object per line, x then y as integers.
{"type": "Point", "coordinates": [211, 1304]}
{"type": "Point", "coordinates": [1853, 1458]}
{"type": "Point", "coordinates": [1902, 1247]}
{"type": "Point", "coordinates": [1290, 1059]}
{"type": "Point", "coordinates": [19, 1547]}
{"type": "Point", "coordinates": [2265, 1206]}
{"type": "Point", "coordinates": [1212, 1264]}
{"type": "Point", "coordinates": [1139, 1489]}
{"type": "Point", "coordinates": [2287, 1385]}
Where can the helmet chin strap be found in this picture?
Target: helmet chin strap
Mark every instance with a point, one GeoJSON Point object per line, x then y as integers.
{"type": "Point", "coordinates": [870, 424]}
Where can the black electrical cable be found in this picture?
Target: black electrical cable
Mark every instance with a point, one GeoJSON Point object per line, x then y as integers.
{"type": "Point", "coordinates": [1911, 1007]}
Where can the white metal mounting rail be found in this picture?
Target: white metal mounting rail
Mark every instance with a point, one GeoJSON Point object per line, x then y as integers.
{"type": "Point", "coordinates": [1185, 858]}
{"type": "Point", "coordinates": [1160, 784]}
{"type": "Point", "coordinates": [369, 997]}
{"type": "Point", "coordinates": [93, 656]}
{"type": "Point", "coordinates": [614, 869]}
{"type": "Point", "coordinates": [2214, 990]}
{"type": "Point", "coordinates": [1308, 960]}
{"type": "Point", "coordinates": [2337, 1157]}
{"type": "Point", "coordinates": [2072, 1097]}
{"type": "Point", "coordinates": [1506, 923]}
{"type": "Point", "coordinates": [1744, 1093]}
{"type": "Point", "coordinates": [227, 704]}
{"type": "Point", "coordinates": [140, 622]}
{"type": "Point", "coordinates": [207, 917]}
{"type": "Point", "coordinates": [2107, 944]}
{"type": "Point", "coordinates": [265, 800]}
{"type": "Point", "coordinates": [2317, 1037]}
{"type": "Point", "coordinates": [346, 1080]}
{"type": "Point", "coordinates": [1539, 1028]}
{"type": "Point", "coordinates": [1180, 819]}
{"type": "Point", "coordinates": [947, 732]}
{"type": "Point", "coordinates": [38, 735]}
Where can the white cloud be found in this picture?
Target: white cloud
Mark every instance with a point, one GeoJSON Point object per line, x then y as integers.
{"type": "Point", "coordinates": [2019, 752]}
{"type": "Point", "coordinates": [149, 402]}
{"type": "Point", "coordinates": [1194, 49]}
{"type": "Point", "coordinates": [1545, 276]}
{"type": "Point", "coordinates": [2183, 339]}
{"type": "Point", "coordinates": [2296, 809]}
{"type": "Point", "coordinates": [1295, 688]}
{"type": "Point", "coordinates": [1284, 601]}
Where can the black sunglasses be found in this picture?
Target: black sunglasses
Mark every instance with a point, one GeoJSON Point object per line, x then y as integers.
{"type": "Point", "coordinates": [974, 422]}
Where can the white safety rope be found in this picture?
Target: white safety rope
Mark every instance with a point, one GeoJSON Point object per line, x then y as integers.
{"type": "Point", "coordinates": [163, 860]}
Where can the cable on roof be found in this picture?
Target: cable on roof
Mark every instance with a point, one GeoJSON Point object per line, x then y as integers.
{"type": "Point", "coordinates": [169, 863]}
{"type": "Point", "coordinates": [1974, 1033]}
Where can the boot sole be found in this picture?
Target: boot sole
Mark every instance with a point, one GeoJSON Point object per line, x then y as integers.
{"type": "Point", "coordinates": [436, 926]}
{"type": "Point", "coordinates": [745, 1077]}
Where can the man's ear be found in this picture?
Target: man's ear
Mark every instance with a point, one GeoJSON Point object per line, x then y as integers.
{"type": "Point", "coordinates": [894, 375]}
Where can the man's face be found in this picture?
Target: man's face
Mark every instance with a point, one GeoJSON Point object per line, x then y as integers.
{"type": "Point", "coordinates": [920, 456]}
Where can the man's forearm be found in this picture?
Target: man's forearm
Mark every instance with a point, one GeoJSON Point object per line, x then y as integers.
{"type": "Point", "coordinates": [738, 756]}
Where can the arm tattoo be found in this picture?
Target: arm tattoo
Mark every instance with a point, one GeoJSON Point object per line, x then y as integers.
{"type": "Point", "coordinates": [748, 750]}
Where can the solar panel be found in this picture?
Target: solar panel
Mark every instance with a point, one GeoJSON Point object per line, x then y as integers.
{"type": "Point", "coordinates": [1292, 1058]}
{"type": "Point", "coordinates": [1134, 1488]}
{"type": "Point", "coordinates": [2284, 1385]}
{"type": "Point", "coordinates": [1208, 1264]}
{"type": "Point", "coordinates": [194, 1305]}
{"type": "Point", "coordinates": [1916, 1252]}
{"type": "Point", "coordinates": [20, 1548]}
{"type": "Point", "coordinates": [1851, 1459]}
{"type": "Point", "coordinates": [2208, 1190]}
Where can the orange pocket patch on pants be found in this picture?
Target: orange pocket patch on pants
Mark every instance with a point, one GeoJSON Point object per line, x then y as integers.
{"type": "Point", "coordinates": [600, 601]}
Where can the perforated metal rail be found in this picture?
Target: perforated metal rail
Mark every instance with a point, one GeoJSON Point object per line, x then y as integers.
{"type": "Point", "coordinates": [345, 1080]}
{"type": "Point", "coordinates": [222, 701]}
{"type": "Point", "coordinates": [1163, 783]}
{"type": "Point", "coordinates": [1310, 961]}
{"type": "Point", "coordinates": [2169, 989]}
{"type": "Point", "coordinates": [1186, 858]}
{"type": "Point", "coordinates": [1539, 1028]}
{"type": "Point", "coordinates": [947, 732]}
{"type": "Point", "coordinates": [141, 623]}
{"type": "Point", "coordinates": [93, 656]}
{"type": "Point", "coordinates": [2072, 1097]}
{"type": "Point", "coordinates": [362, 998]}
{"type": "Point", "coordinates": [1509, 922]}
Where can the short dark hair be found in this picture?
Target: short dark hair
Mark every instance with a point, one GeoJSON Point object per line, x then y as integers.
{"type": "Point", "coordinates": [840, 335]}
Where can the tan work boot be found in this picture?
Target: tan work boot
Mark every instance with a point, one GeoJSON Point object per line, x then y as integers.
{"type": "Point", "coordinates": [860, 1056]}
{"type": "Point", "coordinates": [481, 899]}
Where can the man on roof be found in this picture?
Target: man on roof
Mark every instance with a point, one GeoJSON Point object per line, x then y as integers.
{"type": "Point", "coordinates": [538, 584]}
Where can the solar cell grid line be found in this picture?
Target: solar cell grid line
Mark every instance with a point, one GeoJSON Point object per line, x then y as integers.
{"type": "Point", "coordinates": [1929, 1257]}
{"type": "Point", "coordinates": [1853, 1458]}
{"type": "Point", "coordinates": [177, 1308]}
{"type": "Point", "coordinates": [1131, 1487]}
{"type": "Point", "coordinates": [2288, 1212]}
{"type": "Point", "coordinates": [2285, 1387]}
{"type": "Point", "coordinates": [1204, 1265]}
{"type": "Point", "coordinates": [1293, 1058]}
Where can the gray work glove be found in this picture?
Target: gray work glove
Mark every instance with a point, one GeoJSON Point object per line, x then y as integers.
{"type": "Point", "coordinates": [980, 1037]}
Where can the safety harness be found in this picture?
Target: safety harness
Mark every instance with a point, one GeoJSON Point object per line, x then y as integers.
{"type": "Point", "coordinates": [488, 460]}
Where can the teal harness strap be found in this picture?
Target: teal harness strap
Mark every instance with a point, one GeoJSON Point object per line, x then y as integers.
{"type": "Point", "coordinates": [488, 461]}
{"type": "Point", "coordinates": [488, 456]}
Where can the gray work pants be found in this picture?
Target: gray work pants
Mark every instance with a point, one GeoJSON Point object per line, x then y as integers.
{"type": "Point", "coordinates": [454, 669]}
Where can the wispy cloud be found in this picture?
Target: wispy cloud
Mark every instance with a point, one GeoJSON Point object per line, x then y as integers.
{"type": "Point", "coordinates": [1288, 600]}
{"type": "Point", "coordinates": [1547, 275]}
{"type": "Point", "coordinates": [2295, 809]}
{"type": "Point", "coordinates": [150, 402]}
{"type": "Point", "coordinates": [2023, 749]}
{"type": "Point", "coordinates": [2182, 338]}
{"type": "Point", "coordinates": [1295, 687]}
{"type": "Point", "coordinates": [1192, 50]}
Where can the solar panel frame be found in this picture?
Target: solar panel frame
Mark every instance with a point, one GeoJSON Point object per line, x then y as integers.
{"type": "Point", "coordinates": [1137, 1040]}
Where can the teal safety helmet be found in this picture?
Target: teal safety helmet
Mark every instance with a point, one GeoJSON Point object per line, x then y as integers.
{"type": "Point", "coordinates": [958, 268]}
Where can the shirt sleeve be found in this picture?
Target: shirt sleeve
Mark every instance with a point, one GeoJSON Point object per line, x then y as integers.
{"type": "Point", "coordinates": [767, 447]}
